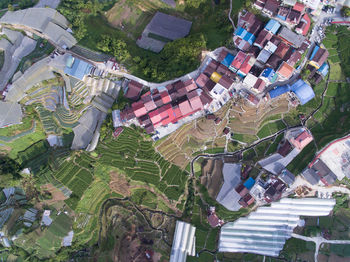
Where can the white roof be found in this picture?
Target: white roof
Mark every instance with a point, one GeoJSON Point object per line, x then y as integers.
{"type": "Point", "coordinates": [265, 231]}
{"type": "Point", "coordinates": [183, 243]}
{"type": "Point", "coordinates": [250, 80]}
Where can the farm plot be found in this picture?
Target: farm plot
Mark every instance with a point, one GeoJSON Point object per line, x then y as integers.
{"type": "Point", "coordinates": [135, 157]}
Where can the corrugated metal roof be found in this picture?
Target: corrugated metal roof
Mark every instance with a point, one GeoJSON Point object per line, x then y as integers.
{"type": "Point", "coordinates": [183, 242]}
{"type": "Point", "coordinates": [266, 230]}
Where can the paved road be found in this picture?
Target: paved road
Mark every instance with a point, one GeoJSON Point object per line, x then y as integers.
{"type": "Point", "coordinates": [320, 240]}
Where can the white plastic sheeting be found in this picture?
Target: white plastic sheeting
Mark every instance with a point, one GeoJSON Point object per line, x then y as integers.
{"type": "Point", "coordinates": [183, 243]}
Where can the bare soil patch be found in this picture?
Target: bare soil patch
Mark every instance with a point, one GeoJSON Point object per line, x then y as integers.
{"type": "Point", "coordinates": [119, 184]}
{"type": "Point", "coordinates": [212, 177]}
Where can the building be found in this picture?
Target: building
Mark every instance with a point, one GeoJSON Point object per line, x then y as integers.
{"type": "Point", "coordinates": [302, 90]}
{"type": "Point", "coordinates": [259, 85]}
{"type": "Point", "coordinates": [266, 230]}
{"type": "Point", "coordinates": [243, 39]}
{"type": "Point", "coordinates": [238, 61]}
{"type": "Point", "coordinates": [250, 80]}
{"type": "Point", "coordinates": [227, 60]}
{"type": "Point", "coordinates": [311, 176]}
{"type": "Point", "coordinates": [133, 90]}
{"type": "Point", "coordinates": [163, 28]}
{"type": "Point", "coordinates": [312, 4]}
{"type": "Point", "coordinates": [10, 114]}
{"type": "Point", "coordinates": [45, 22]}
{"type": "Point", "coordinates": [249, 183]}
{"type": "Point", "coordinates": [246, 66]}
{"type": "Point", "coordinates": [269, 75]}
{"type": "Point", "coordinates": [294, 17]}
{"type": "Point", "coordinates": [77, 68]}
{"type": "Point", "coordinates": [302, 140]}
{"type": "Point", "coordinates": [228, 196]}
{"type": "Point", "coordinates": [287, 177]}
{"type": "Point", "coordinates": [294, 58]}
{"type": "Point", "coordinates": [282, 50]}
{"type": "Point", "coordinates": [263, 56]}
{"type": "Point", "coordinates": [318, 57]}
{"type": "Point", "coordinates": [272, 26]}
{"type": "Point", "coordinates": [283, 13]}
{"type": "Point", "coordinates": [304, 25]}
{"type": "Point", "coordinates": [285, 71]}
{"type": "Point", "coordinates": [274, 62]}
{"type": "Point", "coordinates": [290, 37]}
{"type": "Point", "coordinates": [263, 37]}
{"type": "Point", "coordinates": [271, 7]}
{"type": "Point", "coordinates": [184, 243]}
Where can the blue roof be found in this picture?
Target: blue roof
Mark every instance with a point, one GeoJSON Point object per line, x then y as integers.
{"type": "Point", "coordinates": [269, 73]}
{"type": "Point", "coordinates": [278, 91]}
{"type": "Point", "coordinates": [227, 60]}
{"type": "Point", "coordinates": [324, 69]}
{"type": "Point", "coordinates": [78, 68]}
{"type": "Point", "coordinates": [250, 38]}
{"type": "Point", "coordinates": [249, 183]}
{"type": "Point", "coordinates": [281, 17]}
{"type": "Point", "coordinates": [303, 91]}
{"type": "Point", "coordinates": [272, 26]}
{"type": "Point", "coordinates": [239, 31]}
{"type": "Point", "coordinates": [314, 52]}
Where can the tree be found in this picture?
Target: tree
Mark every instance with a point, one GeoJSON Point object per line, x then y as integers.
{"type": "Point", "coordinates": [9, 166]}
{"type": "Point", "coordinates": [10, 7]}
{"type": "Point", "coordinates": [345, 11]}
{"type": "Point", "coordinates": [194, 3]}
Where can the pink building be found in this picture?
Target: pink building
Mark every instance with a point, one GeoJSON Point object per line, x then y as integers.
{"type": "Point", "coordinates": [302, 140]}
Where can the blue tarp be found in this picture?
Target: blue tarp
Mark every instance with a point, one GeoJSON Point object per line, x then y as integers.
{"type": "Point", "coordinates": [323, 70]}
{"type": "Point", "coordinates": [301, 89]}
{"type": "Point", "coordinates": [239, 31]}
{"type": "Point", "coordinates": [278, 91]}
{"type": "Point", "coordinates": [314, 52]}
{"type": "Point", "coordinates": [281, 17]}
{"type": "Point", "coordinates": [272, 26]}
{"type": "Point", "coordinates": [78, 68]}
{"type": "Point", "coordinates": [249, 183]}
{"type": "Point", "coordinates": [227, 60]}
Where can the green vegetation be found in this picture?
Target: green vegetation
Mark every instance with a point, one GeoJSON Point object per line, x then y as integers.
{"type": "Point", "coordinates": [300, 161]}
{"type": "Point", "coordinates": [270, 128]}
{"type": "Point", "coordinates": [21, 3]}
{"type": "Point", "coordinates": [2, 59]}
{"type": "Point", "coordinates": [345, 11]}
{"type": "Point", "coordinates": [210, 29]}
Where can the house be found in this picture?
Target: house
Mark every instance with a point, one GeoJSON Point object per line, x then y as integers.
{"type": "Point", "coordinates": [226, 82]}
{"type": "Point", "coordinates": [77, 68]}
{"type": "Point", "coordinates": [227, 60]}
{"type": "Point", "coordinates": [250, 80]}
{"type": "Point", "coordinates": [304, 25]}
{"type": "Point", "coordinates": [304, 46]}
{"type": "Point", "coordinates": [185, 108]}
{"type": "Point", "coordinates": [285, 148]}
{"type": "Point", "coordinates": [189, 85]}
{"type": "Point", "coordinates": [133, 90]}
{"type": "Point", "coordinates": [249, 183]}
{"type": "Point", "coordinates": [259, 4]}
{"type": "Point", "coordinates": [263, 56]}
{"type": "Point", "coordinates": [195, 101]}
{"type": "Point", "coordinates": [283, 13]}
{"type": "Point", "coordinates": [294, 17]}
{"type": "Point", "coordinates": [242, 190]}
{"type": "Point", "coordinates": [222, 55]}
{"type": "Point", "coordinates": [271, 7]}
{"type": "Point", "coordinates": [226, 131]}
{"type": "Point", "coordinates": [274, 62]}
{"type": "Point", "coordinates": [290, 37]}
{"type": "Point", "coordinates": [263, 37]}
{"type": "Point", "coordinates": [259, 85]}
{"type": "Point", "coordinates": [202, 80]}
{"type": "Point", "coordinates": [269, 75]}
{"type": "Point", "coordinates": [323, 70]}
{"type": "Point", "coordinates": [272, 26]}
{"type": "Point", "coordinates": [213, 219]}
{"type": "Point", "coordinates": [139, 108]}
{"type": "Point", "coordinates": [294, 58]}
{"type": "Point", "coordinates": [148, 103]}
{"type": "Point", "coordinates": [318, 56]}
{"type": "Point", "coordinates": [271, 47]}
{"type": "Point", "coordinates": [302, 140]}
{"type": "Point", "coordinates": [243, 39]}
{"type": "Point", "coordinates": [287, 177]}
{"type": "Point", "coordinates": [299, 7]}
{"type": "Point", "coordinates": [246, 66]}
{"type": "Point", "coordinates": [282, 49]}
{"type": "Point", "coordinates": [285, 71]}
{"type": "Point", "coordinates": [238, 61]}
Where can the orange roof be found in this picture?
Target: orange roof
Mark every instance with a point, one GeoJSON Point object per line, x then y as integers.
{"type": "Point", "coordinates": [285, 70]}
{"type": "Point", "coordinates": [165, 97]}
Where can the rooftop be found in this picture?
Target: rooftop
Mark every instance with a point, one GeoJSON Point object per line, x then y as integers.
{"type": "Point", "coordinates": [285, 70]}
{"type": "Point", "coordinates": [10, 114]}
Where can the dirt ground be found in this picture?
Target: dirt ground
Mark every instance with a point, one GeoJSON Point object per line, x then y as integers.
{"type": "Point", "coordinates": [119, 184]}
{"type": "Point", "coordinates": [332, 258]}
{"type": "Point", "coordinates": [57, 196]}
{"type": "Point", "coordinates": [212, 177]}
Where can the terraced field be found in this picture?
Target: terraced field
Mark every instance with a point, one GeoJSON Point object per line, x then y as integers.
{"type": "Point", "coordinates": [49, 124]}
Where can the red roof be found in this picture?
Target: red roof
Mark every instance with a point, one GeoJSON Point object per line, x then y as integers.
{"type": "Point", "coordinates": [308, 23]}
{"type": "Point", "coordinates": [196, 103]}
{"type": "Point", "coordinates": [165, 97]}
{"type": "Point", "coordinates": [185, 108]}
{"type": "Point", "coordinates": [299, 7]}
{"type": "Point", "coordinates": [155, 117]}
{"type": "Point", "coordinates": [190, 85]}
{"type": "Point", "coordinates": [239, 59]}
{"type": "Point", "coordinates": [282, 49]}
{"type": "Point", "coordinates": [260, 85]}
{"type": "Point", "coordinates": [202, 80]}
{"type": "Point", "coordinates": [134, 90]}
{"type": "Point", "coordinates": [302, 140]}
{"type": "Point", "coordinates": [149, 103]}
{"type": "Point", "coordinates": [139, 108]}
{"type": "Point", "coordinates": [246, 66]}
{"type": "Point", "coordinates": [146, 94]}
{"type": "Point", "coordinates": [177, 112]}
